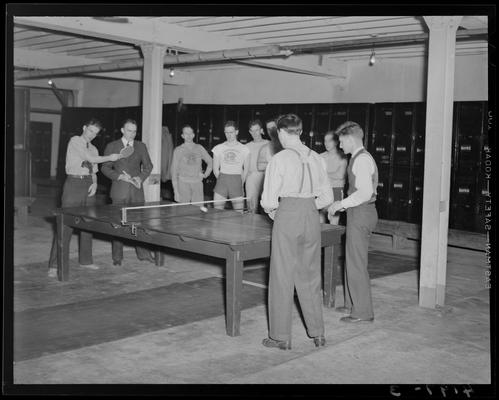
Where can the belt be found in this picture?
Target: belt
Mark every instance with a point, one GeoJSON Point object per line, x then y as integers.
{"type": "Point", "coordinates": [79, 176]}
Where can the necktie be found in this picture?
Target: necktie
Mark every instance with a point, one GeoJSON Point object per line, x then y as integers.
{"type": "Point", "coordinates": [88, 145]}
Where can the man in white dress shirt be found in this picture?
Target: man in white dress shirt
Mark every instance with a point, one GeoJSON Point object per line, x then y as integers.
{"type": "Point", "coordinates": [361, 220]}
{"type": "Point", "coordinates": [296, 186]}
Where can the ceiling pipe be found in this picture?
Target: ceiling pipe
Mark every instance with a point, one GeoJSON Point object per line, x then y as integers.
{"type": "Point", "coordinates": [169, 59]}
{"type": "Point", "coordinates": [247, 53]}
{"type": "Point", "coordinates": [378, 41]}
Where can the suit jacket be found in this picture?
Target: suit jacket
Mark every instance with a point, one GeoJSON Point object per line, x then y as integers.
{"type": "Point", "coordinates": [138, 164]}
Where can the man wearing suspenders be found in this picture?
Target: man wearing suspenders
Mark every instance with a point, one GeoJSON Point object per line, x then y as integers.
{"type": "Point", "coordinates": [296, 186]}
{"type": "Point", "coordinates": [361, 220]}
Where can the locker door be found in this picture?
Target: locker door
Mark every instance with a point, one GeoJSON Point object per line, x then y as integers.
{"type": "Point", "coordinates": [339, 114]}
{"type": "Point", "coordinates": [382, 134]}
{"type": "Point", "coordinates": [170, 120]}
{"type": "Point", "coordinates": [245, 115]}
{"type": "Point", "coordinates": [217, 113]}
{"type": "Point", "coordinates": [416, 209]}
{"type": "Point", "coordinates": [360, 113]}
{"type": "Point", "coordinates": [469, 120]}
{"type": "Point", "coordinates": [383, 192]}
{"type": "Point", "coordinates": [204, 123]}
{"type": "Point", "coordinates": [400, 193]}
{"type": "Point", "coordinates": [322, 126]}
{"type": "Point", "coordinates": [417, 150]}
{"type": "Point", "coordinates": [403, 133]}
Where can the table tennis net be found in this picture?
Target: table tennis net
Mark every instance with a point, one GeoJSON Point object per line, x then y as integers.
{"type": "Point", "coordinates": [160, 211]}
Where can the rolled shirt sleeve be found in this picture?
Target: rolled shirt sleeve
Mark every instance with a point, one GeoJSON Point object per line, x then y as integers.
{"type": "Point", "coordinates": [271, 186]}
{"type": "Point", "coordinates": [363, 171]}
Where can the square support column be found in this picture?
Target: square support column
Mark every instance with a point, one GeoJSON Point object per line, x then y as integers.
{"type": "Point", "coordinates": [152, 108]}
{"type": "Point", "coordinates": [438, 151]}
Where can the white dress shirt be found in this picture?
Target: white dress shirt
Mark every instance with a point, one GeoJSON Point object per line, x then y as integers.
{"type": "Point", "coordinates": [78, 151]}
{"type": "Point", "coordinates": [125, 142]}
{"type": "Point", "coordinates": [283, 178]}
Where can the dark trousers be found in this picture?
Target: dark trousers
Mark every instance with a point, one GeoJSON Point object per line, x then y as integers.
{"type": "Point", "coordinates": [361, 221]}
{"type": "Point", "coordinates": [133, 195]}
{"type": "Point", "coordinates": [295, 262]}
{"type": "Point", "coordinates": [75, 194]}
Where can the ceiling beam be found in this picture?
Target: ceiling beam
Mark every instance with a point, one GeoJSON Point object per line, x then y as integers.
{"type": "Point", "coordinates": [43, 60]}
{"type": "Point", "coordinates": [169, 60]}
{"type": "Point", "coordinates": [140, 30]}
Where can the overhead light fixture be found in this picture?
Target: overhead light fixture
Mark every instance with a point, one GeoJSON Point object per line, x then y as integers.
{"type": "Point", "coordinates": [57, 93]}
{"type": "Point", "coordinates": [172, 73]}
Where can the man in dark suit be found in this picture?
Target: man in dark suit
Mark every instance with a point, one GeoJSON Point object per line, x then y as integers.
{"type": "Point", "coordinates": [127, 175]}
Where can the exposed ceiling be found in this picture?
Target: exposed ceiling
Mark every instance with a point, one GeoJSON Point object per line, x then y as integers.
{"type": "Point", "coordinates": [53, 42]}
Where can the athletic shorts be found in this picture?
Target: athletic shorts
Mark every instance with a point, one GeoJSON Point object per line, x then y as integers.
{"type": "Point", "coordinates": [229, 186]}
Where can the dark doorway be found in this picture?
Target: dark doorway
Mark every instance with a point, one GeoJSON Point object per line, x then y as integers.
{"type": "Point", "coordinates": [40, 140]}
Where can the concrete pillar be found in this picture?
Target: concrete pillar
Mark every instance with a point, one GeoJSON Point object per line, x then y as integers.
{"type": "Point", "coordinates": [438, 151]}
{"type": "Point", "coordinates": [152, 108]}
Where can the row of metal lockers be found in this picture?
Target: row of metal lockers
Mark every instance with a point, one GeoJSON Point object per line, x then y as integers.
{"type": "Point", "coordinates": [394, 135]}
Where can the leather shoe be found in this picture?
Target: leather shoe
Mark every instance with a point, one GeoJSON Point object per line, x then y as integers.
{"type": "Point", "coordinates": [117, 262]}
{"type": "Point", "coordinates": [319, 341]}
{"type": "Point", "coordinates": [351, 319]}
{"type": "Point", "coordinates": [344, 310]}
{"type": "Point", "coordinates": [281, 344]}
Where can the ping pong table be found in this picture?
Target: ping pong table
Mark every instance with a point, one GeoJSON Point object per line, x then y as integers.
{"type": "Point", "coordinates": [231, 235]}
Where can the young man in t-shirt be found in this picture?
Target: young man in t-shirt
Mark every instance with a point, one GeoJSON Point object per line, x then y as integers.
{"type": "Point", "coordinates": [186, 169]}
{"type": "Point", "coordinates": [254, 180]}
{"type": "Point", "coordinates": [230, 167]}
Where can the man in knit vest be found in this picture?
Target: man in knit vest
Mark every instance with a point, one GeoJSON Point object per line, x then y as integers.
{"type": "Point", "coordinates": [361, 220]}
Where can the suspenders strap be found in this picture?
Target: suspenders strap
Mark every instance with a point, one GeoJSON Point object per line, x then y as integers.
{"type": "Point", "coordinates": [303, 172]}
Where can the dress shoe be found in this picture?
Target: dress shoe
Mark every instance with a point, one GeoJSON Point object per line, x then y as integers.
{"type": "Point", "coordinates": [89, 266]}
{"type": "Point", "coordinates": [281, 344]}
{"type": "Point", "coordinates": [117, 262]}
{"type": "Point", "coordinates": [351, 319]}
{"type": "Point", "coordinates": [344, 310]}
{"type": "Point", "coordinates": [319, 341]}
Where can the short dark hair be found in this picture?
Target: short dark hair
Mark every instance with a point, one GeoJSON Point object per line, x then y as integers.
{"type": "Point", "coordinates": [128, 121]}
{"type": "Point", "coordinates": [334, 136]}
{"type": "Point", "coordinates": [255, 122]}
{"type": "Point", "coordinates": [231, 123]}
{"type": "Point", "coordinates": [273, 119]}
{"type": "Point", "coordinates": [350, 128]}
{"type": "Point", "coordinates": [291, 123]}
{"type": "Point", "coordinates": [186, 126]}
{"type": "Point", "coordinates": [94, 122]}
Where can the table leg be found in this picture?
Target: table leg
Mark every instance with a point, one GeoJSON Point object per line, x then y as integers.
{"type": "Point", "coordinates": [331, 254]}
{"type": "Point", "coordinates": [62, 249]}
{"type": "Point", "coordinates": [159, 258]}
{"type": "Point", "coordinates": [233, 292]}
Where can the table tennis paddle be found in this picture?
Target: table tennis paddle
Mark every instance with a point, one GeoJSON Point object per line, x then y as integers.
{"type": "Point", "coordinates": [126, 151]}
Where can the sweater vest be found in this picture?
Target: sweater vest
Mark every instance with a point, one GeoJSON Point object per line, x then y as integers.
{"type": "Point", "coordinates": [351, 176]}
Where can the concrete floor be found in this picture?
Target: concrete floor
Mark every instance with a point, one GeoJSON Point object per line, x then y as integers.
{"type": "Point", "coordinates": [406, 344]}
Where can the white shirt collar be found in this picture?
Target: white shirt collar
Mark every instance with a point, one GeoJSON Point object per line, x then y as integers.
{"type": "Point", "coordinates": [126, 141]}
{"type": "Point", "coordinates": [357, 151]}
